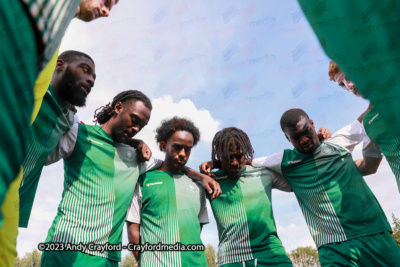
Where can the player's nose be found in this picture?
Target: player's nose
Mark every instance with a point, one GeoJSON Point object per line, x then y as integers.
{"type": "Point", "coordinates": [304, 140]}
{"type": "Point", "coordinates": [105, 11]}
{"type": "Point", "coordinates": [182, 153]}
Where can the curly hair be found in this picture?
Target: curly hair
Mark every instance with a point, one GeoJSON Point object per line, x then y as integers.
{"type": "Point", "coordinates": [170, 126]}
{"type": "Point", "coordinates": [228, 137]}
{"type": "Point", "coordinates": [107, 111]}
{"type": "Point", "coordinates": [333, 69]}
{"type": "Point", "coordinates": [71, 55]}
{"type": "Point", "coordinates": [291, 117]}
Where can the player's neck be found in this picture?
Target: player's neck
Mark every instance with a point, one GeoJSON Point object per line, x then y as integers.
{"type": "Point", "coordinates": [166, 168]}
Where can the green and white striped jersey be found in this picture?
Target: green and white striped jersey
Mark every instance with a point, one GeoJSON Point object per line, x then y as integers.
{"type": "Point", "coordinates": [333, 196]}
{"type": "Point", "coordinates": [52, 122]}
{"type": "Point", "coordinates": [369, 57]}
{"type": "Point", "coordinates": [51, 18]}
{"type": "Point", "coordinates": [383, 128]}
{"type": "Point", "coordinates": [100, 177]}
{"type": "Point", "coordinates": [243, 212]}
{"type": "Point", "coordinates": [169, 208]}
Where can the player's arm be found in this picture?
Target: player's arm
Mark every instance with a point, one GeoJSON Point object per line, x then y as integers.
{"type": "Point", "coordinates": [279, 182]}
{"type": "Point", "coordinates": [209, 183]}
{"type": "Point", "coordinates": [203, 214]}
{"type": "Point", "coordinates": [133, 218]}
{"type": "Point", "coordinates": [272, 162]}
{"type": "Point", "coordinates": [361, 117]}
{"type": "Point", "coordinates": [65, 145]}
{"type": "Point", "coordinates": [134, 237]}
{"type": "Point", "coordinates": [368, 166]}
{"type": "Point", "coordinates": [372, 157]}
{"type": "Point", "coordinates": [142, 149]}
{"type": "Point", "coordinates": [207, 166]}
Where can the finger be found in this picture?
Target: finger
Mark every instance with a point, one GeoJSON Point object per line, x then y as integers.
{"type": "Point", "coordinates": [217, 190]}
{"type": "Point", "coordinates": [147, 154]}
{"type": "Point", "coordinates": [208, 188]}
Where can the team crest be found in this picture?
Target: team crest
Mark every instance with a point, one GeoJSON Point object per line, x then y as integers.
{"type": "Point", "coordinates": [191, 188]}
{"type": "Point", "coordinates": [129, 154]}
{"type": "Point", "coordinates": [327, 150]}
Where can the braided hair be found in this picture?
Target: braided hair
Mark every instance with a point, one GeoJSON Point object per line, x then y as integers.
{"type": "Point", "coordinates": [107, 111]}
{"type": "Point", "coordinates": [291, 117]}
{"type": "Point", "coordinates": [228, 137]}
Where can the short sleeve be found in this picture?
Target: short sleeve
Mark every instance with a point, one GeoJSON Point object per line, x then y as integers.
{"type": "Point", "coordinates": [279, 182]}
{"type": "Point", "coordinates": [149, 165]}
{"type": "Point", "coordinates": [203, 214]}
{"type": "Point", "coordinates": [370, 149]}
{"type": "Point", "coordinates": [272, 162]}
{"type": "Point", "coordinates": [349, 136]}
{"type": "Point", "coordinates": [134, 211]}
{"type": "Point", "coordinates": [65, 145]}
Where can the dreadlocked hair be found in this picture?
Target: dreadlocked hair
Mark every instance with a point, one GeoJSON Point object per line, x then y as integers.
{"type": "Point", "coordinates": [169, 127]}
{"type": "Point", "coordinates": [228, 137]}
{"type": "Point", "coordinates": [107, 111]}
{"type": "Point", "coordinates": [71, 55]}
{"type": "Point", "coordinates": [291, 117]}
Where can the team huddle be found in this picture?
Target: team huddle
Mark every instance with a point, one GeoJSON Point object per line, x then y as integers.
{"type": "Point", "coordinates": [112, 179]}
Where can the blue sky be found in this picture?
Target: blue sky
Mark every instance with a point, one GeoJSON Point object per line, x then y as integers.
{"type": "Point", "coordinates": [220, 63]}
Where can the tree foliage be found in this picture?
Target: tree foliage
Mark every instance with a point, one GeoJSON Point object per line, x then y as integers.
{"type": "Point", "coordinates": [304, 257]}
{"type": "Point", "coordinates": [29, 260]}
{"type": "Point", "coordinates": [210, 256]}
{"type": "Point", "coordinates": [396, 229]}
{"type": "Point", "coordinates": [128, 261]}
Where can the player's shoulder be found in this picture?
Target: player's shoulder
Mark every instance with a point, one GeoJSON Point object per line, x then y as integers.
{"type": "Point", "coordinates": [251, 171]}
{"type": "Point", "coordinates": [219, 174]}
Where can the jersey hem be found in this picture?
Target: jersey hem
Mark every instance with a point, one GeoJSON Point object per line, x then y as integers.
{"type": "Point", "coordinates": [373, 232]}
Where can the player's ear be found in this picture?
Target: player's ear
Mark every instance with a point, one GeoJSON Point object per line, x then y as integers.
{"type": "Point", "coordinates": [118, 108]}
{"type": "Point", "coordinates": [60, 65]}
{"type": "Point", "coordinates": [163, 146]}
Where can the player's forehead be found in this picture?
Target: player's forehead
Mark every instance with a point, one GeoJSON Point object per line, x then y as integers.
{"type": "Point", "coordinates": [234, 148]}
{"type": "Point", "coordinates": [79, 60]}
{"type": "Point", "coordinates": [182, 137]}
{"type": "Point", "coordinates": [138, 109]}
{"type": "Point", "coordinates": [301, 127]}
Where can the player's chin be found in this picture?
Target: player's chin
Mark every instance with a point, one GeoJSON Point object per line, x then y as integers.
{"type": "Point", "coordinates": [308, 150]}
{"type": "Point", "coordinates": [87, 17]}
{"type": "Point", "coordinates": [234, 172]}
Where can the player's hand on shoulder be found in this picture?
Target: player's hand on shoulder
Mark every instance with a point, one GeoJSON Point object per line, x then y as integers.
{"type": "Point", "coordinates": [206, 168]}
{"type": "Point", "coordinates": [211, 186]}
{"type": "Point", "coordinates": [143, 152]}
{"type": "Point", "coordinates": [324, 134]}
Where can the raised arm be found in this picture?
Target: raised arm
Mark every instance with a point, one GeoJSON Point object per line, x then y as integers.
{"type": "Point", "coordinates": [372, 157]}
{"type": "Point", "coordinates": [368, 166]}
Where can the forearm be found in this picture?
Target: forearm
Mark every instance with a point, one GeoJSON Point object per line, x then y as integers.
{"type": "Point", "coordinates": [134, 237]}
{"type": "Point", "coordinates": [194, 175]}
{"type": "Point", "coordinates": [368, 165]}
